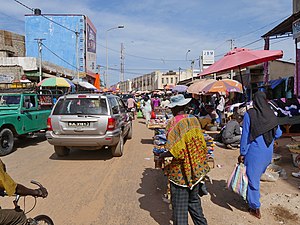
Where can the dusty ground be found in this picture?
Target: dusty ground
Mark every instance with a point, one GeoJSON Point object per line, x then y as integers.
{"type": "Point", "coordinates": [92, 188]}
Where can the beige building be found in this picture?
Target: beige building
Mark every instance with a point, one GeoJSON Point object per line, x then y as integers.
{"type": "Point", "coordinates": [11, 44]}
{"type": "Point", "coordinates": [155, 81]}
{"type": "Point", "coordinates": [167, 79]}
{"type": "Point", "coordinates": [14, 65]}
{"type": "Point", "coordinates": [255, 74]}
{"type": "Point", "coordinates": [146, 82]}
{"type": "Point", "coordinates": [125, 86]}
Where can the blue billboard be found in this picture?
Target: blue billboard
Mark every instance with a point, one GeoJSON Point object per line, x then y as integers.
{"type": "Point", "coordinates": [60, 41]}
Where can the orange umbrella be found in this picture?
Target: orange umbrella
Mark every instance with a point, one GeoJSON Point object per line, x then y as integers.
{"type": "Point", "coordinates": [197, 87]}
{"type": "Point", "coordinates": [169, 86]}
{"type": "Point", "coordinates": [97, 81]}
{"type": "Point", "coordinates": [225, 85]}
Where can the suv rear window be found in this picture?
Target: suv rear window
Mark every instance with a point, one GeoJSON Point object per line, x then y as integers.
{"type": "Point", "coordinates": [86, 106]}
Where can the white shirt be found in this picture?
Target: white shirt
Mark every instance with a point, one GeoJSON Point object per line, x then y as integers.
{"type": "Point", "coordinates": [221, 104]}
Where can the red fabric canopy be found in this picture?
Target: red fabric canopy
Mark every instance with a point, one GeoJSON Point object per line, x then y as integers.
{"type": "Point", "coordinates": [241, 58]}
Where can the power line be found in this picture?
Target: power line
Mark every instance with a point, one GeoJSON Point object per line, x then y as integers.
{"type": "Point", "coordinates": [254, 31]}
{"type": "Point", "coordinates": [75, 32]}
{"type": "Point", "coordinates": [253, 42]}
{"type": "Point", "coordinates": [31, 9]}
{"type": "Point", "coordinates": [141, 57]}
{"type": "Point", "coordinates": [59, 56]}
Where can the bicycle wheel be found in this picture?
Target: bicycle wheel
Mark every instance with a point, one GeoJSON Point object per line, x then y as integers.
{"type": "Point", "coordinates": [43, 220]}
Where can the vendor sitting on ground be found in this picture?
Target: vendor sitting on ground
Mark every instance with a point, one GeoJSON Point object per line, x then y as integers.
{"type": "Point", "coordinates": [231, 133]}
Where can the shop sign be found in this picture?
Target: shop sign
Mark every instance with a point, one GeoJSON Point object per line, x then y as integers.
{"type": "Point", "coordinates": [208, 57]}
{"type": "Point", "coordinates": [6, 79]}
{"type": "Point", "coordinates": [296, 29]}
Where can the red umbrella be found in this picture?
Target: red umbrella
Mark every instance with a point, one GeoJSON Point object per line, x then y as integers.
{"type": "Point", "coordinates": [241, 58]}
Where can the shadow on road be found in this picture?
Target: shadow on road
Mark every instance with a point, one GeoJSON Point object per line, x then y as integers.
{"type": "Point", "coordinates": [25, 141]}
{"type": "Point", "coordinates": [102, 154]}
{"type": "Point", "coordinates": [147, 141]}
{"type": "Point", "coordinates": [223, 197]}
{"type": "Point", "coordinates": [153, 186]}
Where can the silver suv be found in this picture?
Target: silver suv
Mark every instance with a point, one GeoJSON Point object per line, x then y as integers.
{"type": "Point", "coordinates": [89, 122]}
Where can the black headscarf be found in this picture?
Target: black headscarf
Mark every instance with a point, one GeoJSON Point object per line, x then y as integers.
{"type": "Point", "coordinates": [262, 119]}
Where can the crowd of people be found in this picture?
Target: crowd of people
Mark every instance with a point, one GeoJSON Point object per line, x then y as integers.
{"type": "Point", "coordinates": [209, 108]}
{"type": "Point", "coordinates": [254, 132]}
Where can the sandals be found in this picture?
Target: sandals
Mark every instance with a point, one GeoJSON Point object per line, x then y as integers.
{"type": "Point", "coordinates": [297, 175]}
{"type": "Point", "coordinates": [255, 212]}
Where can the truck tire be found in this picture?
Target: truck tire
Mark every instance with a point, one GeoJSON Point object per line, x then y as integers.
{"type": "Point", "coordinates": [117, 150]}
{"type": "Point", "coordinates": [61, 151]}
{"type": "Point", "coordinates": [6, 141]}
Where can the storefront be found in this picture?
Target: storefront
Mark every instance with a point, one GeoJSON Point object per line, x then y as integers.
{"type": "Point", "coordinates": [289, 27]}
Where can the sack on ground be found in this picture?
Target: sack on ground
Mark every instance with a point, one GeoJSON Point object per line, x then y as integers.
{"type": "Point", "coordinates": [238, 181]}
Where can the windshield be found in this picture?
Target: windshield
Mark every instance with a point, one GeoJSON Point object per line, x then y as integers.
{"type": "Point", "coordinates": [9, 100]}
{"type": "Point", "coordinates": [78, 106]}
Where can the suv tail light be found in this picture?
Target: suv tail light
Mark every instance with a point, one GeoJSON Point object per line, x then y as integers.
{"type": "Point", "coordinates": [111, 123]}
{"type": "Point", "coordinates": [49, 124]}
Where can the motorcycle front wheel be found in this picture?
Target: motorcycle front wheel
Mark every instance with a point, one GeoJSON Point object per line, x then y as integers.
{"type": "Point", "coordinates": [43, 220]}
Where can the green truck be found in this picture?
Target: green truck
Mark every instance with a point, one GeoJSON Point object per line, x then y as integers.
{"type": "Point", "coordinates": [21, 114]}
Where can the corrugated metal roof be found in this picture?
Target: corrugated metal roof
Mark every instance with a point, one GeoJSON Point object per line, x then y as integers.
{"type": "Point", "coordinates": [284, 27]}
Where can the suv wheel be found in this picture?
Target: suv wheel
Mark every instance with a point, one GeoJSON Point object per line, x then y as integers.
{"type": "Point", "coordinates": [61, 151]}
{"type": "Point", "coordinates": [117, 150]}
{"type": "Point", "coordinates": [129, 134]}
{"type": "Point", "coordinates": [6, 141]}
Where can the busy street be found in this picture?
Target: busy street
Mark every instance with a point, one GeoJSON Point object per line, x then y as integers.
{"type": "Point", "coordinates": [92, 187]}
{"type": "Point", "coordinates": [149, 112]}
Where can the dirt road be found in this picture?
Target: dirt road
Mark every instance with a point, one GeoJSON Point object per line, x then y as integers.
{"type": "Point", "coordinates": [93, 188]}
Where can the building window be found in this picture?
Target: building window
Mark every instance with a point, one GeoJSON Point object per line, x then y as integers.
{"type": "Point", "coordinates": [162, 80]}
{"type": "Point", "coordinates": [176, 80]}
{"type": "Point", "coordinates": [167, 80]}
{"type": "Point", "coordinates": [171, 80]}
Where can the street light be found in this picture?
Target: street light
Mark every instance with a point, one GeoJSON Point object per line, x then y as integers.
{"type": "Point", "coordinates": [118, 27]}
{"type": "Point", "coordinates": [187, 54]}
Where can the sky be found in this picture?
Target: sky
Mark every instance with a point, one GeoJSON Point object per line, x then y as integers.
{"type": "Point", "coordinates": [157, 34]}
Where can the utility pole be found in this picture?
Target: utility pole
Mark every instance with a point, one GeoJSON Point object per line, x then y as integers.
{"type": "Point", "coordinates": [40, 44]}
{"type": "Point", "coordinates": [192, 69]}
{"type": "Point", "coordinates": [104, 78]}
{"type": "Point", "coordinates": [77, 57]}
{"type": "Point", "coordinates": [122, 63]}
{"type": "Point", "coordinates": [179, 74]}
{"type": "Point", "coordinates": [231, 48]}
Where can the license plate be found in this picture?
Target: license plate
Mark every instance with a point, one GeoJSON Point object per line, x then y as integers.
{"type": "Point", "coordinates": [78, 124]}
